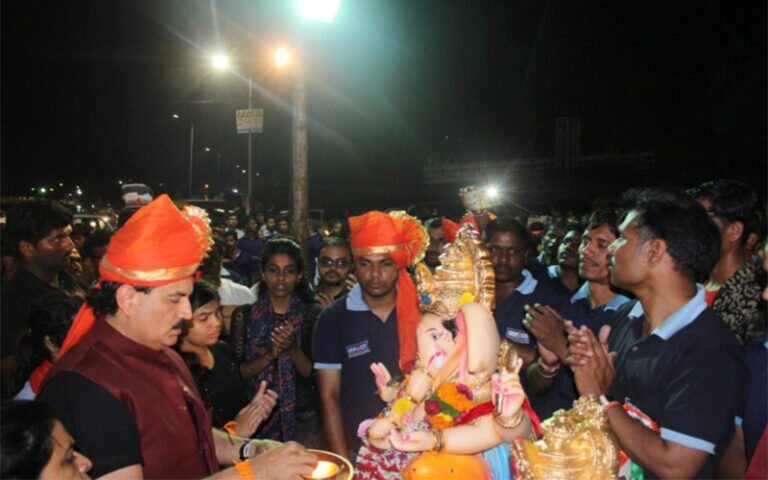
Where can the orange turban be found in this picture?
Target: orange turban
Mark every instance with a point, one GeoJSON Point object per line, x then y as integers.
{"type": "Point", "coordinates": [450, 229]}
{"type": "Point", "coordinates": [405, 240]}
{"type": "Point", "coordinates": [158, 245]}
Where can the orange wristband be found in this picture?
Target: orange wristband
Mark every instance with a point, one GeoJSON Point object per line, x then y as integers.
{"type": "Point", "coordinates": [229, 427]}
{"type": "Point", "coordinates": [244, 470]}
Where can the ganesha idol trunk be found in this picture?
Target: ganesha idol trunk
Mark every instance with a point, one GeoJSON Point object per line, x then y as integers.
{"type": "Point", "coordinates": [430, 466]}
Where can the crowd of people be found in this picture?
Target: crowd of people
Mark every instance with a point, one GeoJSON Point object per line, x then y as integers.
{"type": "Point", "coordinates": [181, 348]}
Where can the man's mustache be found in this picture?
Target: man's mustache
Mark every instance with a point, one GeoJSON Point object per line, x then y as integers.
{"type": "Point", "coordinates": [180, 324]}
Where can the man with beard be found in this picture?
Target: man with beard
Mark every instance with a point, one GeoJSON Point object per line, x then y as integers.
{"type": "Point", "coordinates": [442, 231]}
{"type": "Point", "coordinates": [38, 234]}
{"type": "Point", "coordinates": [128, 399]}
{"type": "Point", "coordinates": [374, 323]}
{"type": "Point", "coordinates": [667, 358]}
{"type": "Point", "coordinates": [334, 265]}
{"type": "Point", "coordinates": [564, 276]}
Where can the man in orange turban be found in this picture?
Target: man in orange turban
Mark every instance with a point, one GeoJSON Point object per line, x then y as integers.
{"type": "Point", "coordinates": [129, 399]}
{"type": "Point", "coordinates": [375, 323]}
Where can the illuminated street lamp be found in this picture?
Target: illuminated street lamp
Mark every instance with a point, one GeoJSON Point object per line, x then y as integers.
{"type": "Point", "coordinates": [220, 61]}
{"type": "Point", "coordinates": [282, 57]}
{"type": "Point", "coordinates": [318, 10]}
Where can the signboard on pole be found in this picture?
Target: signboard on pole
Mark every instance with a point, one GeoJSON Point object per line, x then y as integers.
{"type": "Point", "coordinates": [249, 120]}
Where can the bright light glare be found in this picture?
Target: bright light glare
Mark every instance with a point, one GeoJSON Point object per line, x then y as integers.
{"type": "Point", "coordinates": [492, 192]}
{"type": "Point", "coordinates": [220, 61]}
{"type": "Point", "coordinates": [319, 10]}
{"type": "Point", "coordinates": [175, 115]}
{"type": "Point", "coordinates": [282, 57]}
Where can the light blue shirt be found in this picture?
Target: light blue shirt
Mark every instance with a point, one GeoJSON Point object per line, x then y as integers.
{"type": "Point", "coordinates": [355, 302]}
{"type": "Point", "coordinates": [528, 285]}
{"type": "Point", "coordinates": [583, 293]}
{"type": "Point", "coordinates": [678, 320]}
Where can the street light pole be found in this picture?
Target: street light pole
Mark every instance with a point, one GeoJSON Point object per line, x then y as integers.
{"type": "Point", "coordinates": [299, 170]}
{"type": "Point", "coordinates": [315, 10]}
{"type": "Point", "coordinates": [218, 175]}
{"type": "Point", "coordinates": [249, 195]}
{"type": "Point", "coordinates": [191, 153]}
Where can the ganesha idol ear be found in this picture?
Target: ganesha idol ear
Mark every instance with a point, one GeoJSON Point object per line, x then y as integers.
{"type": "Point", "coordinates": [482, 338]}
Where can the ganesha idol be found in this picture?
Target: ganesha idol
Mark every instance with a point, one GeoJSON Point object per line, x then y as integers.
{"type": "Point", "coordinates": [453, 416]}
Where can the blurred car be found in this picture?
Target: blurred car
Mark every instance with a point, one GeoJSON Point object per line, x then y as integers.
{"type": "Point", "coordinates": [96, 221]}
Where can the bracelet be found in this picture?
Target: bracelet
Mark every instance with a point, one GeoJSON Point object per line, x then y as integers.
{"type": "Point", "coordinates": [244, 470]}
{"type": "Point", "coordinates": [610, 405]}
{"type": "Point", "coordinates": [544, 371]}
{"type": "Point", "coordinates": [510, 423]}
{"type": "Point", "coordinates": [549, 366]}
{"type": "Point", "coordinates": [439, 441]}
{"type": "Point", "coordinates": [229, 428]}
{"type": "Point", "coordinates": [245, 451]}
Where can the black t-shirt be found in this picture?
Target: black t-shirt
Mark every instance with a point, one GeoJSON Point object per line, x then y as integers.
{"type": "Point", "coordinates": [103, 429]}
{"type": "Point", "coordinates": [688, 376]}
{"type": "Point", "coordinates": [15, 304]}
{"type": "Point", "coordinates": [510, 312]}
{"type": "Point", "coordinates": [350, 340]}
{"type": "Point", "coordinates": [222, 386]}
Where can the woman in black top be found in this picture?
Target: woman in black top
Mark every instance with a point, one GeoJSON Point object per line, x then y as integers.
{"type": "Point", "coordinates": [215, 370]}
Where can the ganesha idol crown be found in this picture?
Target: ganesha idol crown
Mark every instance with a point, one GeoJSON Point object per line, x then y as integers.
{"type": "Point", "coordinates": [465, 275]}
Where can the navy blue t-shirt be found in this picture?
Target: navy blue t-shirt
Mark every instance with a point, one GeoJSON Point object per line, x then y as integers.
{"type": "Point", "coordinates": [688, 375]}
{"type": "Point", "coordinates": [349, 337]}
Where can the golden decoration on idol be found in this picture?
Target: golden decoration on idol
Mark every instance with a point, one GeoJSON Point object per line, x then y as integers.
{"type": "Point", "coordinates": [576, 446]}
{"type": "Point", "coordinates": [465, 275]}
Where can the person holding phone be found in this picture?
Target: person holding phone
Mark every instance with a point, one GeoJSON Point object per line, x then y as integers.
{"type": "Point", "coordinates": [273, 347]}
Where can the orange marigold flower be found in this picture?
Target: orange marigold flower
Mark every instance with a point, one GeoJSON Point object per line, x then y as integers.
{"type": "Point", "coordinates": [449, 394]}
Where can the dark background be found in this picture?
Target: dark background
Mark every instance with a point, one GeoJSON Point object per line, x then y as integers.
{"type": "Point", "coordinates": [89, 86]}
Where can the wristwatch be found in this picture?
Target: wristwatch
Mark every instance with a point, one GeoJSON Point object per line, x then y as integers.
{"type": "Point", "coordinates": [245, 451]}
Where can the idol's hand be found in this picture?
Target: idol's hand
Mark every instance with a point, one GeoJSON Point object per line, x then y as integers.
{"type": "Point", "coordinates": [508, 395]}
{"type": "Point", "coordinates": [419, 384]}
{"type": "Point", "coordinates": [418, 441]}
{"type": "Point", "coordinates": [382, 376]}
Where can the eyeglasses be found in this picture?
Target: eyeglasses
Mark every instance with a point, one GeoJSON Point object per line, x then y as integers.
{"type": "Point", "coordinates": [337, 262]}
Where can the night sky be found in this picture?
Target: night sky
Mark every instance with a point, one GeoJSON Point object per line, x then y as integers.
{"type": "Point", "coordinates": [89, 86]}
